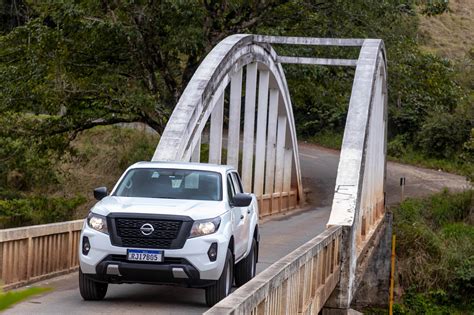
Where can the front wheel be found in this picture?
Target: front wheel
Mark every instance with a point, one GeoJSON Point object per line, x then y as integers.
{"type": "Point", "coordinates": [221, 288]}
{"type": "Point", "coordinates": [91, 290]}
{"type": "Point", "coordinates": [246, 268]}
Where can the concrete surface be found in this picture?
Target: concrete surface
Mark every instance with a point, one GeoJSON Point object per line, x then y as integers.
{"type": "Point", "coordinates": [280, 236]}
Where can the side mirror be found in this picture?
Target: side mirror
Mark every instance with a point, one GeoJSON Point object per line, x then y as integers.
{"type": "Point", "coordinates": [242, 200]}
{"type": "Point", "coordinates": [100, 193]}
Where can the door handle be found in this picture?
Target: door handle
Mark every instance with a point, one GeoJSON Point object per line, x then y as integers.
{"type": "Point", "coordinates": [248, 211]}
{"type": "Point", "coordinates": [241, 217]}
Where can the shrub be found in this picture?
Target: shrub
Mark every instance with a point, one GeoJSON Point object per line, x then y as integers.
{"type": "Point", "coordinates": [141, 149]}
{"type": "Point", "coordinates": [435, 7]}
{"type": "Point", "coordinates": [435, 253]}
{"type": "Point", "coordinates": [37, 210]}
{"type": "Point", "coordinates": [442, 135]}
{"type": "Point", "coordinates": [397, 147]}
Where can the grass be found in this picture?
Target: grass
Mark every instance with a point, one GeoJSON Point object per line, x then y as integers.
{"type": "Point", "coordinates": [449, 34]}
{"type": "Point", "coordinates": [435, 256]}
{"type": "Point", "coordinates": [329, 139]}
{"type": "Point", "coordinates": [452, 165]}
{"type": "Point", "coordinates": [9, 298]}
{"type": "Point", "coordinates": [101, 156]}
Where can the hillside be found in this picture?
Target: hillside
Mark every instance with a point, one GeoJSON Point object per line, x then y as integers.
{"type": "Point", "coordinates": [450, 34]}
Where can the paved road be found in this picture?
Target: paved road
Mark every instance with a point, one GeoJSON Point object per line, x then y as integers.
{"type": "Point", "coordinates": [280, 236]}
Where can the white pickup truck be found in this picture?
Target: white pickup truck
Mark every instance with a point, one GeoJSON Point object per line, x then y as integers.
{"type": "Point", "coordinates": [188, 224]}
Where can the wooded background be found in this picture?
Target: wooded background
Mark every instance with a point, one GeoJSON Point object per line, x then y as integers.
{"type": "Point", "coordinates": [67, 67]}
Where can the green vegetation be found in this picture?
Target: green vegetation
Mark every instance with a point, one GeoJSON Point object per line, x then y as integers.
{"type": "Point", "coordinates": [97, 157]}
{"type": "Point", "coordinates": [69, 67]}
{"type": "Point", "coordinates": [448, 34]}
{"type": "Point", "coordinates": [329, 139]}
{"type": "Point", "coordinates": [12, 297]}
{"type": "Point", "coordinates": [100, 156]}
{"type": "Point", "coordinates": [407, 155]}
{"type": "Point", "coordinates": [435, 254]}
{"type": "Point", "coordinates": [37, 210]}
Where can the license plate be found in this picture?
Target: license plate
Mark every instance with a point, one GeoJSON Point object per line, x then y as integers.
{"type": "Point", "coordinates": [145, 255]}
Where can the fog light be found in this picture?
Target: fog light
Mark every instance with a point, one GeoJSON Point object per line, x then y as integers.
{"type": "Point", "coordinates": [86, 246]}
{"type": "Point", "coordinates": [212, 252]}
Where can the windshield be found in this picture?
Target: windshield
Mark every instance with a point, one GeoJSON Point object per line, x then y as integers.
{"type": "Point", "coordinates": [170, 184]}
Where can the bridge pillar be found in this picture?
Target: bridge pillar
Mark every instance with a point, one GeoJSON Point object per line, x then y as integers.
{"type": "Point", "coordinates": [341, 297]}
{"type": "Point", "coordinates": [374, 284]}
{"type": "Point", "coordinates": [338, 311]}
{"type": "Point", "coordinates": [364, 278]}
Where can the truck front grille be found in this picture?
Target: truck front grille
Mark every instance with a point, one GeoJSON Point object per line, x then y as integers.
{"type": "Point", "coordinates": [130, 228]}
{"type": "Point", "coordinates": [167, 234]}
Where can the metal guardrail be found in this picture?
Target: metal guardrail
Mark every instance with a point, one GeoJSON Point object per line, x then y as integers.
{"type": "Point", "coordinates": [29, 254]}
{"type": "Point", "coordinates": [299, 283]}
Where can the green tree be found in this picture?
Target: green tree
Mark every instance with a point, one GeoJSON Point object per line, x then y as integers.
{"type": "Point", "coordinates": [71, 65]}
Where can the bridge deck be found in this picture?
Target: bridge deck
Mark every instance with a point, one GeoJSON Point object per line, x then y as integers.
{"type": "Point", "coordinates": [279, 237]}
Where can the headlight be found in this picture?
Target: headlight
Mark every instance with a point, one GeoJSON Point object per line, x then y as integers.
{"type": "Point", "coordinates": [205, 227]}
{"type": "Point", "coordinates": [97, 222]}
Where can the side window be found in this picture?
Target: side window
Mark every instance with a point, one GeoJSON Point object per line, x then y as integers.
{"type": "Point", "coordinates": [237, 183]}
{"type": "Point", "coordinates": [230, 188]}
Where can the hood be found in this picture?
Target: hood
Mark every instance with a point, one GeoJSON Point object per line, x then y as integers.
{"type": "Point", "coordinates": [195, 209]}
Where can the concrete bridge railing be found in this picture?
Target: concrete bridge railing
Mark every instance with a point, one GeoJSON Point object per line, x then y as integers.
{"type": "Point", "coordinates": [299, 283]}
{"type": "Point", "coordinates": [30, 254]}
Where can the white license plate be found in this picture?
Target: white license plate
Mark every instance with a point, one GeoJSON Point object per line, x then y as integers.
{"type": "Point", "coordinates": [145, 255]}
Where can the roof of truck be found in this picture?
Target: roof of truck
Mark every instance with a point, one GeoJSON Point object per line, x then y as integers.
{"type": "Point", "coordinates": [184, 165]}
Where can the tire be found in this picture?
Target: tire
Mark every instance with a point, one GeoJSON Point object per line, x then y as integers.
{"type": "Point", "coordinates": [91, 290]}
{"type": "Point", "coordinates": [246, 268]}
{"type": "Point", "coordinates": [222, 287]}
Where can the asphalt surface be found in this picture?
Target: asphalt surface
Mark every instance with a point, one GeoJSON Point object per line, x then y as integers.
{"type": "Point", "coordinates": [280, 236]}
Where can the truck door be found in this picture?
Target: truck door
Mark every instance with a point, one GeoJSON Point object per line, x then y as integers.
{"type": "Point", "coordinates": [246, 211]}
{"type": "Point", "coordinates": [238, 220]}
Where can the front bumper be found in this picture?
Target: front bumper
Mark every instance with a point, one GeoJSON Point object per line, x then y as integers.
{"type": "Point", "coordinates": [116, 269]}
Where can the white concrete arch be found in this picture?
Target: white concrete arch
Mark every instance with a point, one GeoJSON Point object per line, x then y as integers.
{"type": "Point", "coordinates": [363, 152]}
{"type": "Point", "coordinates": [359, 198]}
{"type": "Point", "coordinates": [275, 175]}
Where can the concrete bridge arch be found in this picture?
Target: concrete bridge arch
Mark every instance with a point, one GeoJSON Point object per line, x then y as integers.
{"type": "Point", "coordinates": [268, 161]}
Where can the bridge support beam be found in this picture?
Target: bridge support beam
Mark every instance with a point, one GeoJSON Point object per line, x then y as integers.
{"type": "Point", "coordinates": [373, 282]}
{"type": "Point", "coordinates": [233, 141]}
{"type": "Point", "coordinates": [261, 132]}
{"type": "Point", "coordinates": [207, 97]}
{"type": "Point", "coordinates": [215, 140]}
{"type": "Point", "coordinates": [338, 311]}
{"type": "Point", "coordinates": [341, 297]}
{"type": "Point", "coordinates": [372, 272]}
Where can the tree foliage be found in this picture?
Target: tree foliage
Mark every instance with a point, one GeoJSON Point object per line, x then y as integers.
{"type": "Point", "coordinates": [71, 65]}
{"type": "Point", "coordinates": [435, 256]}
